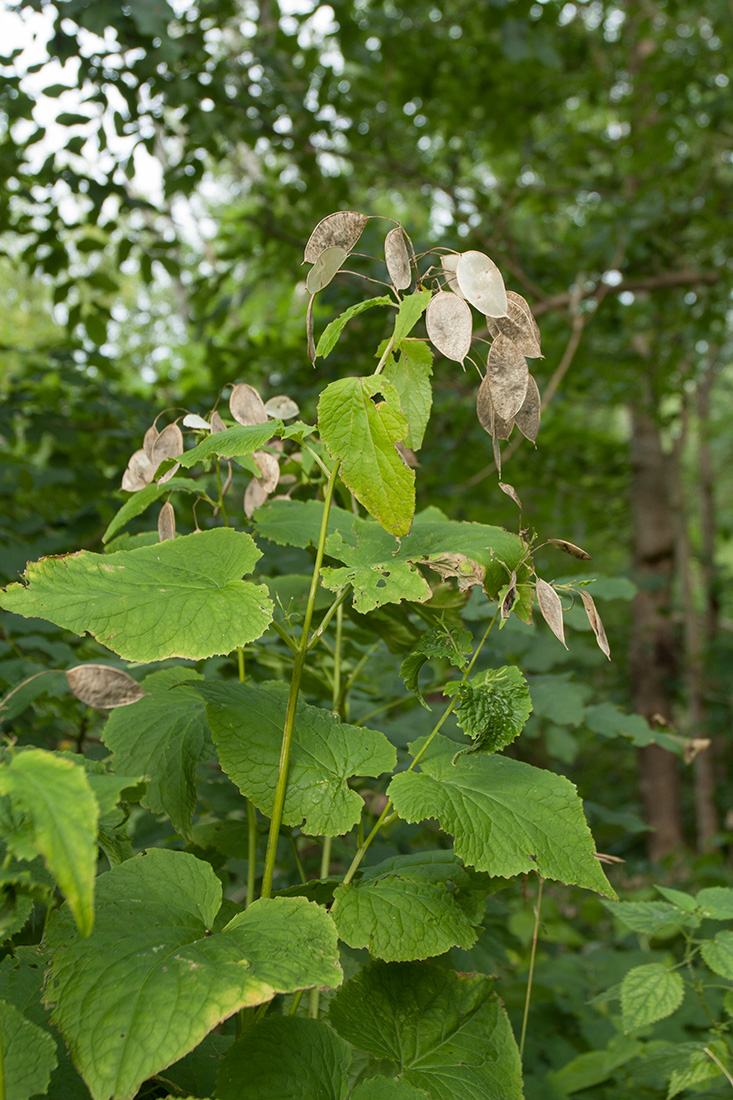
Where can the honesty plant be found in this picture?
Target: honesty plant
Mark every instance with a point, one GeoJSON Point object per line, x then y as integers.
{"type": "Point", "coordinates": [147, 960]}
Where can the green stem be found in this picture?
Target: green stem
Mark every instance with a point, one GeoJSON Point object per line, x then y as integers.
{"type": "Point", "coordinates": [298, 861]}
{"type": "Point", "coordinates": [297, 675]}
{"type": "Point", "coordinates": [295, 1003]}
{"type": "Point", "coordinates": [315, 994]}
{"type": "Point", "coordinates": [240, 663]}
{"type": "Point", "coordinates": [221, 498]}
{"type": "Point", "coordinates": [337, 605]}
{"type": "Point", "coordinates": [533, 953]}
{"type": "Point", "coordinates": [282, 633]}
{"type": "Point", "coordinates": [251, 852]}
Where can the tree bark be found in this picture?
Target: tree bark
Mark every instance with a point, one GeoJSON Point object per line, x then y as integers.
{"type": "Point", "coordinates": [653, 662]}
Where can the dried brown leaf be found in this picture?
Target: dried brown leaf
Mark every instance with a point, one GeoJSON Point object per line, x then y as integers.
{"type": "Point", "coordinates": [281, 407]}
{"type": "Point", "coordinates": [469, 573]}
{"type": "Point", "coordinates": [309, 331]}
{"type": "Point", "coordinates": [397, 258]}
{"type": "Point", "coordinates": [508, 378]}
{"type": "Point", "coordinates": [193, 420]}
{"type": "Point", "coordinates": [217, 424]}
{"type": "Point", "coordinates": [570, 548]}
{"type": "Point", "coordinates": [496, 446]}
{"type": "Point", "coordinates": [449, 263]}
{"type": "Point", "coordinates": [480, 280]}
{"type": "Point", "coordinates": [254, 496]}
{"type": "Point", "coordinates": [166, 522]}
{"type": "Point", "coordinates": [528, 417]}
{"type": "Point", "coordinates": [149, 440]}
{"type": "Point", "coordinates": [510, 598]}
{"type": "Point", "coordinates": [694, 747]}
{"type": "Point", "coordinates": [512, 493]}
{"type": "Point", "coordinates": [448, 321]}
{"type": "Point", "coordinates": [139, 472]}
{"type": "Point", "coordinates": [595, 622]}
{"type": "Point", "coordinates": [169, 444]}
{"type": "Point", "coordinates": [246, 405]}
{"type": "Point", "coordinates": [341, 230]}
{"type": "Point", "coordinates": [324, 269]}
{"type": "Point", "coordinates": [551, 608]}
{"type": "Point", "coordinates": [519, 326]}
{"type": "Point", "coordinates": [269, 468]}
{"type": "Point", "coordinates": [103, 687]}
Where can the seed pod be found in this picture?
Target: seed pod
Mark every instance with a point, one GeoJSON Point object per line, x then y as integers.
{"type": "Point", "coordinates": [281, 407]}
{"type": "Point", "coordinates": [449, 263]}
{"type": "Point", "coordinates": [551, 608]}
{"type": "Point", "coordinates": [193, 420]}
{"type": "Point", "coordinates": [341, 229]}
{"type": "Point", "coordinates": [508, 378]}
{"type": "Point", "coordinates": [570, 548]}
{"type": "Point", "coordinates": [166, 522]}
{"type": "Point", "coordinates": [217, 424]}
{"type": "Point", "coordinates": [397, 258]}
{"type": "Point", "coordinates": [169, 444]}
{"type": "Point", "coordinates": [103, 687]}
{"type": "Point", "coordinates": [528, 417]}
{"type": "Point", "coordinates": [448, 321]}
{"type": "Point", "coordinates": [324, 269]}
{"type": "Point", "coordinates": [149, 441]}
{"type": "Point", "coordinates": [519, 326]}
{"type": "Point", "coordinates": [480, 280]}
{"type": "Point", "coordinates": [139, 472]}
{"type": "Point", "coordinates": [595, 622]}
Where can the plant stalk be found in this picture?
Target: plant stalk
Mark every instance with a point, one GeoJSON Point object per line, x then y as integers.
{"type": "Point", "coordinates": [533, 953]}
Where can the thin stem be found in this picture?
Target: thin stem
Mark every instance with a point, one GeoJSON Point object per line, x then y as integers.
{"type": "Point", "coordinates": [336, 695]}
{"type": "Point", "coordinates": [282, 633]}
{"type": "Point", "coordinates": [533, 953]}
{"type": "Point", "coordinates": [221, 496]}
{"type": "Point", "coordinates": [335, 606]}
{"type": "Point", "coordinates": [298, 862]}
{"type": "Point", "coordinates": [296, 1001]}
{"type": "Point", "coordinates": [297, 675]}
{"type": "Point", "coordinates": [240, 663]}
{"type": "Point", "coordinates": [719, 1064]}
{"type": "Point", "coordinates": [251, 852]}
{"type": "Point", "coordinates": [385, 355]}
{"type": "Point", "coordinates": [315, 994]}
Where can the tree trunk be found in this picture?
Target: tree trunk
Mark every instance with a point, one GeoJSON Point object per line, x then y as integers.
{"type": "Point", "coordinates": [653, 663]}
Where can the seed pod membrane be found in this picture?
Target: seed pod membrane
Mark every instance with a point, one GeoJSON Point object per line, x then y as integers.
{"type": "Point", "coordinates": [103, 687]}
{"type": "Point", "coordinates": [149, 440]}
{"type": "Point", "coordinates": [519, 326]}
{"type": "Point", "coordinates": [217, 424]}
{"type": "Point", "coordinates": [551, 608]}
{"type": "Point", "coordinates": [254, 496]}
{"type": "Point", "coordinates": [595, 622]}
{"type": "Point", "coordinates": [570, 548]}
{"type": "Point", "coordinates": [341, 230]}
{"type": "Point", "coordinates": [246, 405]}
{"type": "Point", "coordinates": [166, 522]}
{"type": "Point", "coordinates": [508, 378]}
{"type": "Point", "coordinates": [397, 258]}
{"type": "Point", "coordinates": [269, 468]}
{"type": "Point", "coordinates": [528, 417]}
{"type": "Point", "coordinates": [480, 280]}
{"type": "Point", "coordinates": [449, 263]}
{"type": "Point", "coordinates": [169, 444]}
{"type": "Point", "coordinates": [511, 492]}
{"type": "Point", "coordinates": [448, 321]}
{"type": "Point", "coordinates": [193, 420]}
{"type": "Point", "coordinates": [139, 472]}
{"type": "Point", "coordinates": [281, 407]}
{"type": "Point", "coordinates": [324, 269]}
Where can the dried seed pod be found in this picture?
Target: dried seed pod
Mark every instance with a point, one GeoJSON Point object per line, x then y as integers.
{"type": "Point", "coordinates": [149, 441]}
{"type": "Point", "coordinates": [166, 522]}
{"type": "Point", "coordinates": [169, 474]}
{"type": "Point", "coordinates": [407, 455]}
{"type": "Point", "coordinates": [254, 496]}
{"type": "Point", "coordinates": [551, 608]}
{"type": "Point", "coordinates": [217, 424]}
{"type": "Point", "coordinates": [281, 407]}
{"type": "Point", "coordinates": [103, 687]}
{"type": "Point", "coordinates": [570, 548]}
{"type": "Point", "coordinates": [480, 280]}
{"type": "Point", "coordinates": [511, 492]}
{"type": "Point", "coordinates": [309, 331]}
{"type": "Point", "coordinates": [449, 263]}
{"type": "Point", "coordinates": [193, 420]}
{"type": "Point", "coordinates": [508, 378]}
{"type": "Point", "coordinates": [341, 230]}
{"type": "Point", "coordinates": [528, 417]}
{"type": "Point", "coordinates": [246, 405]}
{"type": "Point", "coordinates": [510, 597]}
{"type": "Point", "coordinates": [448, 321]}
{"type": "Point", "coordinates": [269, 468]}
{"type": "Point", "coordinates": [519, 326]}
{"type": "Point", "coordinates": [397, 258]}
{"type": "Point", "coordinates": [169, 444]}
{"type": "Point", "coordinates": [324, 269]}
{"type": "Point", "coordinates": [139, 472]}
{"type": "Point", "coordinates": [595, 622]}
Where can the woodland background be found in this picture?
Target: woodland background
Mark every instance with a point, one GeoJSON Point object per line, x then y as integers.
{"type": "Point", "coordinates": [159, 180]}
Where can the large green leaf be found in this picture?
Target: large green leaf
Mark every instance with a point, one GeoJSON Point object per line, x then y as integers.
{"type": "Point", "coordinates": [286, 1058]}
{"type": "Point", "coordinates": [182, 598]}
{"type": "Point", "coordinates": [27, 1056]}
{"type": "Point", "coordinates": [137, 502]}
{"type": "Point", "coordinates": [298, 522]}
{"type": "Point", "coordinates": [507, 817]}
{"type": "Point", "coordinates": [247, 720]}
{"type": "Point", "coordinates": [387, 1088]}
{"type": "Point", "coordinates": [411, 310]}
{"type": "Point", "coordinates": [718, 954]}
{"type": "Point", "coordinates": [363, 435]}
{"type": "Point", "coordinates": [154, 978]}
{"type": "Point", "coordinates": [649, 993]}
{"type": "Point", "coordinates": [652, 917]}
{"type": "Point", "coordinates": [410, 376]}
{"type": "Point", "coordinates": [162, 736]}
{"type": "Point", "coordinates": [493, 707]}
{"type": "Point", "coordinates": [57, 819]}
{"type": "Point", "coordinates": [446, 1033]}
{"type": "Point", "coordinates": [412, 907]}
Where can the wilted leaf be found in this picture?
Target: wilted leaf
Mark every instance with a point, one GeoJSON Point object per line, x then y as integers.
{"type": "Point", "coordinates": [528, 417]}
{"type": "Point", "coordinates": [595, 622]}
{"type": "Point", "coordinates": [480, 280]}
{"type": "Point", "coordinates": [169, 444]}
{"type": "Point", "coordinates": [519, 326]}
{"type": "Point", "coordinates": [246, 405]}
{"type": "Point", "coordinates": [449, 263]}
{"type": "Point", "coordinates": [570, 548]}
{"type": "Point", "coordinates": [103, 687]}
{"type": "Point", "coordinates": [397, 258]}
{"type": "Point", "coordinates": [341, 229]}
{"type": "Point", "coordinates": [281, 407]}
{"type": "Point", "coordinates": [149, 440]}
{"type": "Point", "coordinates": [324, 269]}
{"type": "Point", "coordinates": [508, 377]}
{"type": "Point", "coordinates": [509, 598]}
{"type": "Point", "coordinates": [448, 321]}
{"type": "Point", "coordinates": [512, 493]}
{"type": "Point", "coordinates": [193, 420]}
{"type": "Point", "coordinates": [166, 522]}
{"type": "Point", "coordinates": [469, 573]}
{"type": "Point", "coordinates": [551, 608]}
{"type": "Point", "coordinates": [217, 424]}
{"type": "Point", "coordinates": [139, 472]}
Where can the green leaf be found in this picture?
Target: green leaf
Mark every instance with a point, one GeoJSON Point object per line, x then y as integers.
{"type": "Point", "coordinates": [716, 902]}
{"type": "Point", "coordinates": [649, 993]}
{"type": "Point", "coordinates": [438, 643]}
{"type": "Point", "coordinates": [558, 699]}
{"type": "Point", "coordinates": [493, 709]}
{"type": "Point", "coordinates": [411, 310]}
{"type": "Point", "coordinates": [162, 736]}
{"type": "Point", "coordinates": [286, 1058]}
{"type": "Point", "coordinates": [137, 502]}
{"type": "Point", "coordinates": [700, 1066]}
{"type": "Point", "coordinates": [412, 907]}
{"type": "Point", "coordinates": [298, 522]}
{"type": "Point", "coordinates": [410, 376]}
{"type": "Point", "coordinates": [233, 443]}
{"type": "Point", "coordinates": [718, 954]}
{"type": "Point", "coordinates": [679, 898]}
{"type": "Point", "coordinates": [507, 817]}
{"type": "Point", "coordinates": [182, 598]}
{"type": "Point", "coordinates": [331, 334]}
{"type": "Point", "coordinates": [247, 723]}
{"type": "Point", "coordinates": [387, 1088]}
{"type": "Point", "coordinates": [374, 582]}
{"type": "Point", "coordinates": [363, 435]}
{"type": "Point", "coordinates": [59, 822]}
{"type": "Point", "coordinates": [651, 917]}
{"type": "Point", "coordinates": [154, 978]}
{"type": "Point", "coordinates": [447, 1033]}
{"type": "Point", "coordinates": [28, 1056]}
{"type": "Point", "coordinates": [596, 1066]}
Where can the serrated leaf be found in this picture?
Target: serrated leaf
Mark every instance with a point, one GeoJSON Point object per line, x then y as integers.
{"type": "Point", "coordinates": [397, 258]}
{"type": "Point", "coordinates": [447, 1033]}
{"type": "Point", "coordinates": [519, 326]}
{"type": "Point", "coordinates": [142, 604]}
{"type": "Point", "coordinates": [332, 332]}
{"type": "Point", "coordinates": [595, 622]}
{"type": "Point", "coordinates": [411, 310]}
{"type": "Point", "coordinates": [507, 817]}
{"type": "Point", "coordinates": [247, 721]}
{"type": "Point", "coordinates": [326, 266]}
{"type": "Point", "coordinates": [137, 504]}
{"type": "Point", "coordinates": [493, 709]}
{"type": "Point", "coordinates": [678, 898]}
{"type": "Point", "coordinates": [232, 442]}
{"type": "Point", "coordinates": [60, 816]}
{"type": "Point", "coordinates": [649, 993]}
{"type": "Point", "coordinates": [716, 902]}
{"type": "Point", "coordinates": [154, 978]}
{"type": "Point", "coordinates": [551, 608]}
{"type": "Point", "coordinates": [410, 375]}
{"type": "Point", "coordinates": [528, 417]}
{"type": "Point", "coordinates": [412, 907]}
{"type": "Point", "coordinates": [387, 1088]}
{"type": "Point", "coordinates": [298, 522]}
{"type": "Point", "coordinates": [246, 406]}
{"type": "Point", "coordinates": [103, 687]}
{"type": "Point", "coordinates": [718, 954]}
{"type": "Point", "coordinates": [363, 435]}
{"type": "Point", "coordinates": [341, 229]}
{"type": "Point", "coordinates": [594, 1067]}
{"type": "Point", "coordinates": [438, 643]}
{"type": "Point", "coordinates": [508, 378]}
{"type": "Point", "coordinates": [163, 737]}
{"type": "Point", "coordinates": [700, 1065]}
{"type": "Point", "coordinates": [651, 917]}
{"type": "Point", "coordinates": [481, 283]}
{"type": "Point", "coordinates": [286, 1057]}
{"type": "Point", "coordinates": [28, 1055]}
{"type": "Point", "coordinates": [449, 325]}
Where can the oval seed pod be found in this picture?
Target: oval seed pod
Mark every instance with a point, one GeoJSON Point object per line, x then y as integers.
{"type": "Point", "coordinates": [449, 263]}
{"type": "Point", "coordinates": [246, 405]}
{"type": "Point", "coordinates": [254, 496]}
{"type": "Point", "coordinates": [103, 687]}
{"type": "Point", "coordinates": [480, 280]}
{"type": "Point", "coordinates": [397, 258]}
{"type": "Point", "coordinates": [149, 440]}
{"type": "Point", "coordinates": [595, 622]}
{"type": "Point", "coordinates": [269, 468]}
{"type": "Point", "coordinates": [487, 418]}
{"type": "Point", "coordinates": [193, 420]}
{"type": "Point", "coordinates": [169, 444]}
{"type": "Point", "coordinates": [448, 321]}
{"type": "Point", "coordinates": [281, 407]}
{"type": "Point", "coordinates": [324, 269]}
{"type": "Point", "coordinates": [551, 608]}
{"type": "Point", "coordinates": [508, 376]}
{"type": "Point", "coordinates": [528, 417]}
{"type": "Point", "coordinates": [217, 424]}
{"type": "Point", "coordinates": [519, 325]}
{"type": "Point", "coordinates": [570, 548]}
{"type": "Point", "coordinates": [166, 522]}
{"type": "Point", "coordinates": [341, 230]}
{"type": "Point", "coordinates": [139, 472]}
